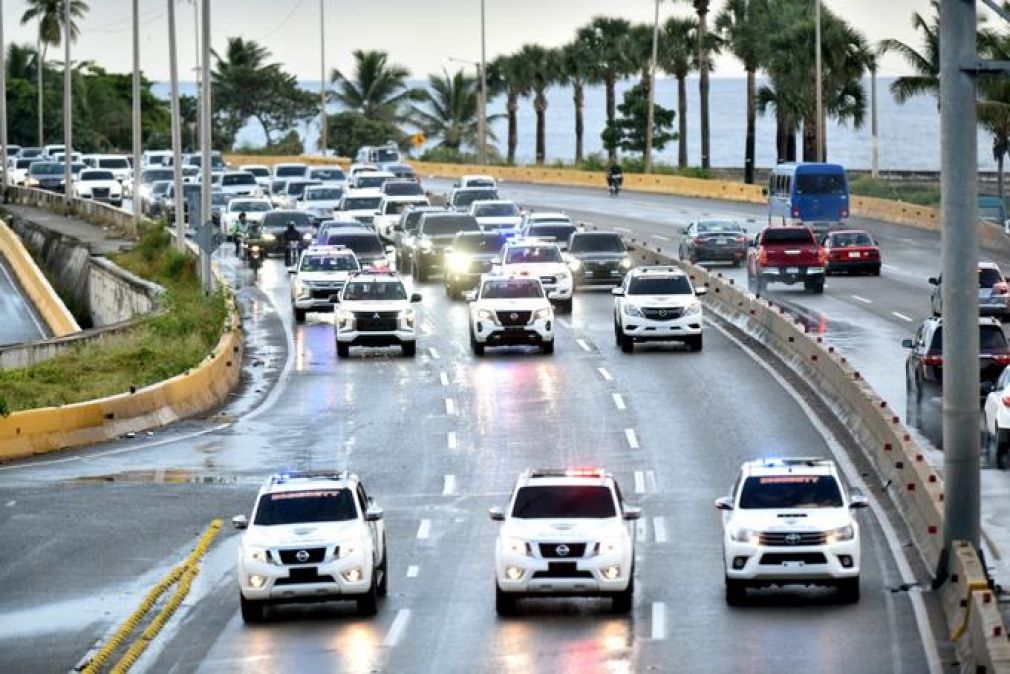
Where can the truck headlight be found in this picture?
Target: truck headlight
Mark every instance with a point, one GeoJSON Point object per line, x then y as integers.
{"type": "Point", "coordinates": [344, 317]}
{"type": "Point", "coordinates": [846, 533]}
{"type": "Point", "coordinates": [348, 549]}
{"type": "Point", "coordinates": [407, 316]}
{"type": "Point", "coordinates": [693, 309]}
{"type": "Point", "coordinates": [486, 315]}
{"type": "Point", "coordinates": [269, 237]}
{"type": "Point", "coordinates": [261, 555]}
{"type": "Point", "coordinates": [458, 262]}
{"type": "Point", "coordinates": [607, 546]}
{"type": "Point", "coordinates": [744, 535]}
{"type": "Point", "coordinates": [626, 263]}
{"type": "Point", "coordinates": [424, 245]}
{"type": "Point", "coordinates": [574, 264]}
{"type": "Point", "coordinates": [302, 290]}
{"type": "Point", "coordinates": [632, 310]}
{"type": "Point", "coordinates": [542, 314]}
{"type": "Point", "coordinates": [517, 546]}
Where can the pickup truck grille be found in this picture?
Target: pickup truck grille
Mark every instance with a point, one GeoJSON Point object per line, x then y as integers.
{"type": "Point", "coordinates": [789, 538]}
{"type": "Point", "coordinates": [662, 313]}
{"type": "Point", "coordinates": [574, 550]}
{"type": "Point", "coordinates": [375, 321]}
{"type": "Point", "coordinates": [509, 318]}
{"type": "Point", "coordinates": [314, 556]}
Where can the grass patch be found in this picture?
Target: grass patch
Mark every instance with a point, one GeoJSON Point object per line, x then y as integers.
{"type": "Point", "coordinates": [159, 347]}
{"type": "Point", "coordinates": [911, 193]}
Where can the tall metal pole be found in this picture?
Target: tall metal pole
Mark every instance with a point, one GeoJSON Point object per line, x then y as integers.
{"type": "Point", "coordinates": [3, 99]}
{"type": "Point", "coordinates": [959, 254]}
{"type": "Point", "coordinates": [482, 107]}
{"type": "Point", "coordinates": [205, 138]}
{"type": "Point", "coordinates": [136, 114]}
{"type": "Point", "coordinates": [875, 147]}
{"type": "Point", "coordinates": [173, 66]}
{"type": "Point", "coordinates": [647, 163]}
{"type": "Point", "coordinates": [68, 121]}
{"type": "Point", "coordinates": [323, 131]}
{"type": "Point", "coordinates": [40, 66]}
{"type": "Point", "coordinates": [196, 67]}
{"type": "Point", "coordinates": [817, 68]}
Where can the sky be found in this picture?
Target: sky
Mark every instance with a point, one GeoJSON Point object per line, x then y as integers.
{"type": "Point", "coordinates": [421, 35]}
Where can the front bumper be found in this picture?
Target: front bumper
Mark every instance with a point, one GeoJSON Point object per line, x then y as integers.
{"type": "Point", "coordinates": [605, 273]}
{"type": "Point", "coordinates": [313, 304]}
{"type": "Point", "coordinates": [647, 329]}
{"type": "Point", "coordinates": [328, 582]}
{"type": "Point", "coordinates": [791, 564]}
{"type": "Point", "coordinates": [353, 337]}
{"type": "Point", "coordinates": [574, 577]}
{"type": "Point", "coordinates": [558, 292]}
{"type": "Point", "coordinates": [493, 334]}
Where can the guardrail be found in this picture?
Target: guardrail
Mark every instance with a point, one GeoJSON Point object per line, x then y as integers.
{"type": "Point", "coordinates": [95, 212]}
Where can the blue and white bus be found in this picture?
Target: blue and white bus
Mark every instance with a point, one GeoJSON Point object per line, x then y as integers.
{"type": "Point", "coordinates": [815, 195]}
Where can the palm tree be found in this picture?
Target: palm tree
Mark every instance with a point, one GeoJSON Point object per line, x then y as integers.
{"type": "Point", "coordinates": [925, 63]}
{"type": "Point", "coordinates": [994, 106]}
{"type": "Point", "coordinates": [49, 14]}
{"type": "Point", "coordinates": [234, 80]}
{"type": "Point", "coordinates": [576, 69]}
{"type": "Point", "coordinates": [743, 25]}
{"type": "Point", "coordinates": [607, 39]}
{"type": "Point", "coordinates": [703, 44]}
{"type": "Point", "coordinates": [677, 57]}
{"type": "Point", "coordinates": [450, 111]}
{"type": "Point", "coordinates": [508, 74]}
{"type": "Point", "coordinates": [542, 65]}
{"type": "Point", "coordinates": [22, 60]}
{"type": "Point", "coordinates": [378, 89]}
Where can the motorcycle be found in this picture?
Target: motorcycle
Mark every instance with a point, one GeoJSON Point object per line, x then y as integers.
{"type": "Point", "coordinates": [254, 257]}
{"type": "Point", "coordinates": [614, 182]}
{"type": "Point", "coordinates": [291, 253]}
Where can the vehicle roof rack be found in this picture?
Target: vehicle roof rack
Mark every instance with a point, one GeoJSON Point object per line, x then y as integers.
{"type": "Point", "coordinates": [789, 461]}
{"type": "Point", "coordinates": [568, 472]}
{"type": "Point", "coordinates": [288, 476]}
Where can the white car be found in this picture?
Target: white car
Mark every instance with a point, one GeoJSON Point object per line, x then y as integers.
{"type": "Point", "coordinates": [389, 211]}
{"type": "Point", "coordinates": [320, 201]}
{"type": "Point", "coordinates": [240, 184]}
{"type": "Point", "coordinates": [657, 304]}
{"type": "Point", "coordinates": [17, 170]}
{"type": "Point", "coordinates": [293, 191]}
{"type": "Point", "coordinates": [254, 210]}
{"type": "Point", "coordinates": [568, 533]}
{"type": "Point", "coordinates": [311, 537]}
{"type": "Point", "coordinates": [556, 226]}
{"type": "Point", "coordinates": [375, 310]}
{"type": "Point", "coordinates": [319, 275]}
{"type": "Point", "coordinates": [118, 164]}
{"type": "Point", "coordinates": [330, 176]}
{"type": "Point", "coordinates": [359, 205]}
{"type": "Point", "coordinates": [497, 216]}
{"type": "Point", "coordinates": [789, 522]}
{"type": "Point", "coordinates": [996, 421]}
{"type": "Point", "coordinates": [260, 171]}
{"type": "Point", "coordinates": [356, 168]}
{"type": "Point", "coordinates": [75, 157]}
{"type": "Point", "coordinates": [156, 158]}
{"type": "Point", "coordinates": [542, 260]}
{"type": "Point", "coordinates": [510, 311]}
{"type": "Point", "coordinates": [98, 185]}
{"type": "Point", "coordinates": [365, 180]}
{"type": "Point", "coordinates": [477, 181]}
{"type": "Point", "coordinates": [291, 170]}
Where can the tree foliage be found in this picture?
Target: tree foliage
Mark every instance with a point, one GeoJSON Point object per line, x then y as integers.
{"type": "Point", "coordinates": [627, 131]}
{"type": "Point", "coordinates": [348, 131]}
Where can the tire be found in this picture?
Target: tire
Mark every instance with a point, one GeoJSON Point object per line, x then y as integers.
{"type": "Point", "coordinates": [617, 332]}
{"type": "Point", "coordinates": [368, 603]}
{"type": "Point", "coordinates": [694, 343]}
{"type": "Point", "coordinates": [504, 603]}
{"type": "Point", "coordinates": [475, 346]}
{"type": "Point", "coordinates": [343, 350]}
{"type": "Point", "coordinates": [875, 271]}
{"type": "Point", "coordinates": [252, 611]}
{"type": "Point", "coordinates": [816, 287]}
{"type": "Point", "coordinates": [848, 590]}
{"type": "Point", "coordinates": [383, 588]}
{"type": "Point", "coordinates": [736, 592]}
{"type": "Point", "coordinates": [565, 306]}
{"type": "Point", "coordinates": [409, 349]}
{"type": "Point", "coordinates": [735, 264]}
{"type": "Point", "coordinates": [627, 344]}
{"type": "Point", "coordinates": [547, 347]}
{"type": "Point", "coordinates": [1002, 447]}
{"type": "Point", "coordinates": [299, 315]}
{"type": "Point", "coordinates": [622, 602]}
{"type": "Point", "coordinates": [450, 290]}
{"type": "Point", "coordinates": [422, 271]}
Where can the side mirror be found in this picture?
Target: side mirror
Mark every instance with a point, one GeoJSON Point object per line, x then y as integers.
{"type": "Point", "coordinates": [292, 271]}
{"type": "Point", "coordinates": [416, 297]}
{"type": "Point", "coordinates": [240, 522]}
{"type": "Point", "coordinates": [373, 514]}
{"type": "Point", "coordinates": [703, 290]}
{"type": "Point", "coordinates": [907, 344]}
{"type": "Point", "coordinates": [724, 503]}
{"type": "Point", "coordinates": [934, 281]}
{"type": "Point", "coordinates": [632, 512]}
{"type": "Point", "coordinates": [683, 230]}
{"type": "Point", "coordinates": [497, 514]}
{"type": "Point", "coordinates": [470, 295]}
{"type": "Point", "coordinates": [858, 501]}
{"type": "Point", "coordinates": [334, 299]}
{"type": "Point", "coordinates": [617, 292]}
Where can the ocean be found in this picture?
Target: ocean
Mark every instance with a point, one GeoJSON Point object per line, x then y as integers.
{"type": "Point", "coordinates": [909, 132]}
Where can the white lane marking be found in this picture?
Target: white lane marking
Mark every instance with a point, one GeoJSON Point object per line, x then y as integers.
{"type": "Point", "coordinates": [901, 316]}
{"type": "Point", "coordinates": [565, 322]}
{"type": "Point", "coordinates": [641, 531]}
{"type": "Point", "coordinates": [659, 527]}
{"type": "Point", "coordinates": [658, 621]}
{"type": "Point", "coordinates": [397, 628]}
{"type": "Point", "coordinates": [605, 374]}
{"type": "Point", "coordinates": [433, 352]}
{"type": "Point", "coordinates": [650, 482]}
{"type": "Point", "coordinates": [639, 482]}
{"type": "Point", "coordinates": [444, 378]}
{"type": "Point", "coordinates": [424, 529]}
{"type": "Point", "coordinates": [862, 299]}
{"type": "Point", "coordinates": [582, 344]}
{"type": "Point", "coordinates": [623, 229]}
{"type": "Point", "coordinates": [619, 401]}
{"type": "Point", "coordinates": [450, 407]}
{"type": "Point", "coordinates": [450, 440]}
{"type": "Point", "coordinates": [660, 237]}
{"type": "Point", "coordinates": [856, 480]}
{"type": "Point", "coordinates": [413, 570]}
{"type": "Point", "coordinates": [449, 485]}
{"type": "Point", "coordinates": [632, 438]}
{"type": "Point", "coordinates": [11, 504]}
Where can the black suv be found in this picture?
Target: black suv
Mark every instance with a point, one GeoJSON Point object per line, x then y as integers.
{"type": "Point", "coordinates": [597, 258]}
{"type": "Point", "coordinates": [470, 255]}
{"type": "Point", "coordinates": [435, 233]}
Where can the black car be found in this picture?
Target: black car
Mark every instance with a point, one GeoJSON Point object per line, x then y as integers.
{"type": "Point", "coordinates": [462, 197]}
{"type": "Point", "coordinates": [365, 243]}
{"type": "Point", "coordinates": [435, 233]}
{"type": "Point", "coordinates": [402, 188]}
{"type": "Point", "coordinates": [714, 241]}
{"type": "Point", "coordinates": [597, 258]}
{"type": "Point", "coordinates": [924, 366]}
{"type": "Point", "coordinates": [470, 255]}
{"type": "Point", "coordinates": [274, 225]}
{"type": "Point", "coordinates": [404, 231]}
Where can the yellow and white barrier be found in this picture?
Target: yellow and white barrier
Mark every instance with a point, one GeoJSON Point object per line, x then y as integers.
{"type": "Point", "coordinates": [35, 285]}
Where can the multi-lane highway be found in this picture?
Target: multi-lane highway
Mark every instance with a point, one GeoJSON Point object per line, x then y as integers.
{"type": "Point", "coordinates": [19, 321]}
{"type": "Point", "coordinates": [438, 439]}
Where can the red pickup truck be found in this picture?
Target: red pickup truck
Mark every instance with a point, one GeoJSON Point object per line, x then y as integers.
{"type": "Point", "coordinates": [785, 255]}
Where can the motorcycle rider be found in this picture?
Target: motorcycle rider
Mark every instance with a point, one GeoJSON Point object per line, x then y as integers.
{"type": "Point", "coordinates": [238, 232]}
{"type": "Point", "coordinates": [292, 238]}
{"type": "Point", "coordinates": [615, 177]}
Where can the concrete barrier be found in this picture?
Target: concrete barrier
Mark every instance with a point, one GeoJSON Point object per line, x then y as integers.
{"type": "Point", "coordinates": [34, 284]}
{"type": "Point", "coordinates": [95, 212]}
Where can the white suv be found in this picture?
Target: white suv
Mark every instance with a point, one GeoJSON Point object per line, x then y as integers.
{"type": "Point", "coordinates": [311, 537]}
{"type": "Point", "coordinates": [789, 522]}
{"type": "Point", "coordinates": [319, 275]}
{"type": "Point", "coordinates": [375, 310]}
{"type": "Point", "coordinates": [543, 260]}
{"type": "Point", "coordinates": [508, 311]}
{"type": "Point", "coordinates": [565, 533]}
{"type": "Point", "coordinates": [657, 304]}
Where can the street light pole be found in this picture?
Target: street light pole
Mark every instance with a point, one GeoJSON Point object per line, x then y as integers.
{"type": "Point", "coordinates": [173, 66]}
{"type": "Point", "coordinates": [136, 114]}
{"type": "Point", "coordinates": [3, 99]}
{"type": "Point", "coordinates": [68, 125]}
{"type": "Point", "coordinates": [196, 67]}
{"type": "Point", "coordinates": [875, 147]}
{"type": "Point", "coordinates": [817, 68]}
{"type": "Point", "coordinates": [323, 144]}
{"type": "Point", "coordinates": [205, 139]}
{"type": "Point", "coordinates": [482, 107]}
{"type": "Point", "coordinates": [647, 163]}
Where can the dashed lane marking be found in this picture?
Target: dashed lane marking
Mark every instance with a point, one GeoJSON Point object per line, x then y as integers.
{"type": "Point", "coordinates": [565, 322]}
{"type": "Point", "coordinates": [623, 229]}
{"type": "Point", "coordinates": [619, 401]}
{"type": "Point", "coordinates": [582, 344]}
{"type": "Point", "coordinates": [639, 482]}
{"type": "Point", "coordinates": [660, 237]}
{"type": "Point", "coordinates": [641, 531]}
{"type": "Point", "coordinates": [11, 504]}
{"type": "Point", "coordinates": [450, 407]}
{"type": "Point", "coordinates": [862, 299]}
{"type": "Point", "coordinates": [433, 352]}
{"type": "Point", "coordinates": [605, 374]}
{"type": "Point", "coordinates": [632, 437]}
{"type": "Point", "coordinates": [444, 378]}
{"type": "Point", "coordinates": [449, 485]}
{"type": "Point", "coordinates": [424, 529]}
{"type": "Point", "coordinates": [450, 440]}
{"type": "Point", "coordinates": [659, 528]}
{"type": "Point", "coordinates": [396, 629]}
{"type": "Point", "coordinates": [902, 316]}
{"type": "Point", "coordinates": [413, 570]}
{"type": "Point", "coordinates": [658, 621]}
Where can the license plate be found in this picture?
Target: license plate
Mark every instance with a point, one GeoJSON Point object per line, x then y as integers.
{"type": "Point", "coordinates": [721, 242]}
{"type": "Point", "coordinates": [854, 254]}
{"type": "Point", "coordinates": [793, 565]}
{"type": "Point", "coordinates": [792, 270]}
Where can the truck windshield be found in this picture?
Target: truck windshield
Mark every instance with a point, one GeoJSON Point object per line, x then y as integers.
{"type": "Point", "coordinates": [773, 492]}
{"type": "Point", "coordinates": [575, 502]}
{"type": "Point", "coordinates": [303, 507]}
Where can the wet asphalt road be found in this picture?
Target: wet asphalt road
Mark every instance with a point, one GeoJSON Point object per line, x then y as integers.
{"type": "Point", "coordinates": [87, 533]}
{"type": "Point", "coordinates": [18, 319]}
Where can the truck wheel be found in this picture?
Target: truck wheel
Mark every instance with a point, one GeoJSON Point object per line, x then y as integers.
{"type": "Point", "coordinates": [736, 592]}
{"type": "Point", "coordinates": [409, 349]}
{"type": "Point", "coordinates": [368, 603]}
{"type": "Point", "coordinates": [694, 342]}
{"type": "Point", "coordinates": [252, 611]}
{"type": "Point", "coordinates": [848, 590]}
{"type": "Point", "coordinates": [1002, 450]}
{"type": "Point", "coordinates": [627, 344]}
{"type": "Point", "coordinates": [383, 589]}
{"type": "Point", "coordinates": [565, 306]}
{"type": "Point", "coordinates": [547, 347]}
{"type": "Point", "coordinates": [623, 601]}
{"type": "Point", "coordinates": [504, 603]}
{"type": "Point", "coordinates": [816, 287]}
{"type": "Point", "coordinates": [299, 315]}
{"type": "Point", "coordinates": [475, 346]}
{"type": "Point", "coordinates": [343, 350]}
{"type": "Point", "coordinates": [617, 332]}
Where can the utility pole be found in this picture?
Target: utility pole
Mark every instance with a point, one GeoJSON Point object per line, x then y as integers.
{"type": "Point", "coordinates": [136, 116]}
{"type": "Point", "coordinates": [959, 255]}
{"type": "Point", "coordinates": [205, 138]}
{"type": "Point", "coordinates": [3, 99]}
{"type": "Point", "coordinates": [482, 107]}
{"type": "Point", "coordinates": [39, 67]}
{"type": "Point", "coordinates": [68, 121]}
{"type": "Point", "coordinates": [196, 67]}
{"type": "Point", "coordinates": [323, 144]}
{"type": "Point", "coordinates": [180, 216]}
{"type": "Point", "coordinates": [875, 147]}
{"type": "Point", "coordinates": [647, 163]}
{"type": "Point", "coordinates": [817, 68]}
